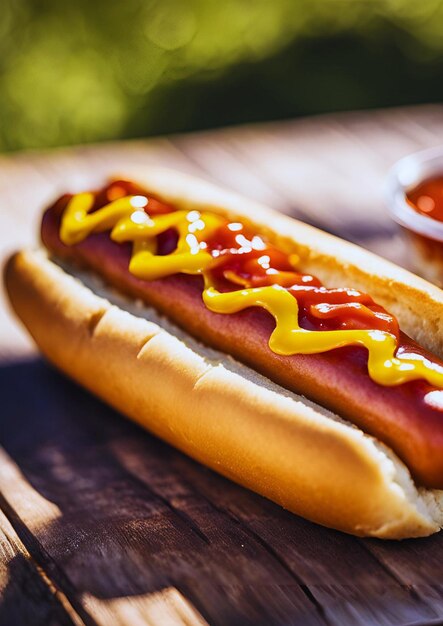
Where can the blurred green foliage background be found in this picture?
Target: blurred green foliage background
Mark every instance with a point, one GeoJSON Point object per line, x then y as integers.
{"type": "Point", "coordinates": [87, 70]}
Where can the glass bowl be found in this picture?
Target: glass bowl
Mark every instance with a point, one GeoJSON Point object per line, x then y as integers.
{"type": "Point", "coordinates": [424, 235]}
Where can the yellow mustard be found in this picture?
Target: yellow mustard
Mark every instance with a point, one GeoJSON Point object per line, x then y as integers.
{"type": "Point", "coordinates": [128, 221]}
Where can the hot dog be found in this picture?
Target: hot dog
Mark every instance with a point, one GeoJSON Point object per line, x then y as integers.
{"type": "Point", "coordinates": [230, 274]}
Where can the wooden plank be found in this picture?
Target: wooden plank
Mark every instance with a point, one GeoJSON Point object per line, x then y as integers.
{"type": "Point", "coordinates": [116, 513]}
{"type": "Point", "coordinates": [167, 606]}
{"type": "Point", "coordinates": [417, 564]}
{"type": "Point", "coordinates": [26, 594]}
{"type": "Point", "coordinates": [103, 533]}
{"type": "Point", "coordinates": [212, 154]}
{"type": "Point", "coordinates": [347, 581]}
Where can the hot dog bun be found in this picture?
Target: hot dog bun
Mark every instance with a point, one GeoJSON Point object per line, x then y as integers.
{"type": "Point", "coordinates": [221, 413]}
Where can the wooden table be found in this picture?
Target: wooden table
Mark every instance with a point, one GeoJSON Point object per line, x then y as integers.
{"type": "Point", "coordinates": [100, 522]}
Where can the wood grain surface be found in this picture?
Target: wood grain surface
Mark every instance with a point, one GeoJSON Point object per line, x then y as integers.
{"type": "Point", "coordinates": [100, 522]}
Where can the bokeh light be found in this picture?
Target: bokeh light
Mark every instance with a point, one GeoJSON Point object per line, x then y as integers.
{"type": "Point", "coordinates": [73, 72]}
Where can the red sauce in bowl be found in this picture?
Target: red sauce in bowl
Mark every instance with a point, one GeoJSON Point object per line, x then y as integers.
{"type": "Point", "coordinates": [427, 198]}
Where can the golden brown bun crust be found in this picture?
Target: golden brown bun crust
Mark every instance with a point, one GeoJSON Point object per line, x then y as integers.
{"type": "Point", "coordinates": [281, 448]}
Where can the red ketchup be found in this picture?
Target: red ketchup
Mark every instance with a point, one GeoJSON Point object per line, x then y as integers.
{"type": "Point", "coordinates": [427, 198]}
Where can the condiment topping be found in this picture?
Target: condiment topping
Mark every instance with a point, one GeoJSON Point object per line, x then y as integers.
{"type": "Point", "coordinates": [242, 269]}
{"type": "Point", "coordinates": [427, 198]}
